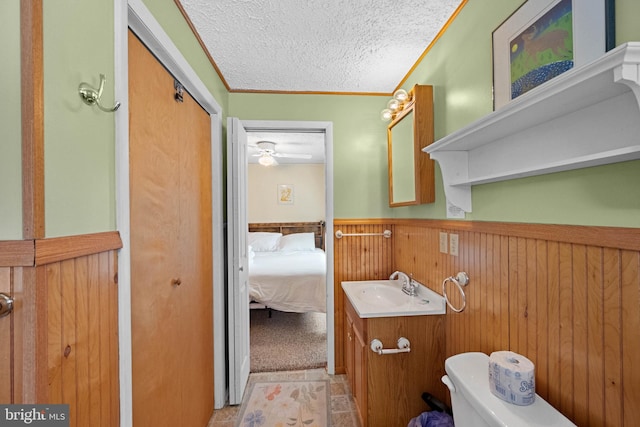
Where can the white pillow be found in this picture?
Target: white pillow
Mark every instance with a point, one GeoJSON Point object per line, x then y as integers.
{"type": "Point", "coordinates": [261, 241]}
{"type": "Point", "coordinates": [298, 242]}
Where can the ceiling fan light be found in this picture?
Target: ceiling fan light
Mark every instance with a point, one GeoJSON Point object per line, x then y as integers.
{"type": "Point", "coordinates": [267, 160]}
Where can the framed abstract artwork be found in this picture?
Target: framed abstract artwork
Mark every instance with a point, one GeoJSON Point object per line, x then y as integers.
{"type": "Point", "coordinates": [285, 194]}
{"type": "Point", "coordinates": [545, 38]}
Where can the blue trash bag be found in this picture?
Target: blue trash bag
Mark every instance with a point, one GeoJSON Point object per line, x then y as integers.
{"type": "Point", "coordinates": [432, 419]}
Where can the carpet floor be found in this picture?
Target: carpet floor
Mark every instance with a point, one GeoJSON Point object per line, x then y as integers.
{"type": "Point", "coordinates": [287, 341]}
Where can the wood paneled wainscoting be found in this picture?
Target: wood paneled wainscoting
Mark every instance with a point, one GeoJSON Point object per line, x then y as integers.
{"type": "Point", "coordinates": [357, 258]}
{"type": "Point", "coordinates": [566, 297]}
{"type": "Point", "coordinates": [63, 332]}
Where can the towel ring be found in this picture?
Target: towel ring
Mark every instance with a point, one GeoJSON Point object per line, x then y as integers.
{"type": "Point", "coordinates": [461, 279]}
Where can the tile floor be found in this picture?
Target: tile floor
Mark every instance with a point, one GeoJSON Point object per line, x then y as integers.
{"type": "Point", "coordinates": [343, 410]}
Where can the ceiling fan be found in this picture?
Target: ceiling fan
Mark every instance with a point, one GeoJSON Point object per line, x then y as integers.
{"type": "Point", "coordinates": [267, 153]}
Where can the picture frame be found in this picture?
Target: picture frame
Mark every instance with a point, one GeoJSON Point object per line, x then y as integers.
{"type": "Point", "coordinates": [285, 194]}
{"type": "Point", "coordinates": [545, 38]}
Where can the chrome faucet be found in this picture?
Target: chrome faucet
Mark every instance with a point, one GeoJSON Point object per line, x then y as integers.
{"type": "Point", "coordinates": [408, 287]}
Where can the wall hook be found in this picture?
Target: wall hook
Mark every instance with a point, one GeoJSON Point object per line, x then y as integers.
{"type": "Point", "coordinates": [91, 96]}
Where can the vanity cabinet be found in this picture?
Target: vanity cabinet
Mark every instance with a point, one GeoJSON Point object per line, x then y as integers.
{"type": "Point", "coordinates": [387, 389]}
{"type": "Point", "coordinates": [411, 172]}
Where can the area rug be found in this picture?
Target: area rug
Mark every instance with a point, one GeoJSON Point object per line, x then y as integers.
{"type": "Point", "coordinates": [286, 404]}
{"type": "Point", "coordinates": [287, 341]}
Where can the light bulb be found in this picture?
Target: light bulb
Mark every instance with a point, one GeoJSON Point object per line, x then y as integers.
{"type": "Point", "coordinates": [393, 105]}
{"type": "Point", "coordinates": [401, 95]}
{"type": "Point", "coordinates": [386, 114]}
{"type": "Point", "coordinates": [266, 160]}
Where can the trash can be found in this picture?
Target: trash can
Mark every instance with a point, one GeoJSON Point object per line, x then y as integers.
{"type": "Point", "coordinates": [432, 419]}
{"type": "Point", "coordinates": [439, 416]}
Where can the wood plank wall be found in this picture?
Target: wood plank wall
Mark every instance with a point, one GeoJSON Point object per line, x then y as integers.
{"type": "Point", "coordinates": [566, 297]}
{"type": "Point", "coordinates": [83, 338]}
{"type": "Point", "coordinates": [357, 258]}
{"type": "Point", "coordinates": [74, 358]}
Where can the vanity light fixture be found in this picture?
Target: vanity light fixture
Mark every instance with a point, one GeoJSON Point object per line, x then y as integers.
{"type": "Point", "coordinates": [396, 104]}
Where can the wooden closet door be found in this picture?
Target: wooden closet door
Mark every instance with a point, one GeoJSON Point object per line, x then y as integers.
{"type": "Point", "coordinates": [171, 260]}
{"type": "Point", "coordinates": [195, 242]}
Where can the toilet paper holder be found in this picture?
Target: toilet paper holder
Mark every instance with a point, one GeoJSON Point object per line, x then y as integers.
{"type": "Point", "coordinates": [404, 346]}
{"type": "Point", "coordinates": [460, 280]}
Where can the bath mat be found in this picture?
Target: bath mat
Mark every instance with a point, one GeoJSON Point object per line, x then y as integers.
{"type": "Point", "coordinates": [286, 403]}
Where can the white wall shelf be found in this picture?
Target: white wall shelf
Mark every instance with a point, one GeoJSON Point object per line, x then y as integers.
{"type": "Point", "coordinates": [588, 116]}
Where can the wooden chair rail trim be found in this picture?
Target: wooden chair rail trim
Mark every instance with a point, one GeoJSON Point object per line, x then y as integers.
{"type": "Point", "coordinates": [57, 249]}
{"type": "Point", "coordinates": [368, 221]}
{"type": "Point", "coordinates": [612, 237]}
{"type": "Point", "coordinates": [17, 253]}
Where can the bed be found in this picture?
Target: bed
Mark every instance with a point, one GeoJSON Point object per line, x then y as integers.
{"type": "Point", "coordinates": [287, 266]}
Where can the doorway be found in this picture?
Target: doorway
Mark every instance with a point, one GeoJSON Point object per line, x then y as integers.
{"type": "Point", "coordinates": [287, 319]}
{"type": "Point", "coordinates": [238, 310]}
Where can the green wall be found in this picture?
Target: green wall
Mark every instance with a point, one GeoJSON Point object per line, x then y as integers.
{"type": "Point", "coordinates": [10, 140]}
{"type": "Point", "coordinates": [627, 15]}
{"type": "Point", "coordinates": [359, 143]}
{"type": "Point", "coordinates": [604, 195]}
{"type": "Point", "coordinates": [459, 67]}
{"type": "Point", "coordinates": [173, 23]}
{"type": "Point", "coordinates": [80, 141]}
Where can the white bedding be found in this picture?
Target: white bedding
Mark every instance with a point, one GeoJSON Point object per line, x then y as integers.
{"type": "Point", "coordinates": [292, 281]}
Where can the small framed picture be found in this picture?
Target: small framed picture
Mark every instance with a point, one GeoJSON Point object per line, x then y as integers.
{"type": "Point", "coordinates": [285, 194]}
{"type": "Point", "coordinates": [545, 38]}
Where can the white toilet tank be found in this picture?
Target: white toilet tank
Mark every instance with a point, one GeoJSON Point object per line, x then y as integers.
{"type": "Point", "coordinates": [474, 405]}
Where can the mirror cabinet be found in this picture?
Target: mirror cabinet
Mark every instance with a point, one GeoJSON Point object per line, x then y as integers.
{"type": "Point", "coordinates": [411, 171]}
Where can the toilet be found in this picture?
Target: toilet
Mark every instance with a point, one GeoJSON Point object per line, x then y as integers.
{"type": "Point", "coordinates": [474, 405]}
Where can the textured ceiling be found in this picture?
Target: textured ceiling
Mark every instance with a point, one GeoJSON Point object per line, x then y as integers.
{"type": "Point", "coordinates": [353, 46]}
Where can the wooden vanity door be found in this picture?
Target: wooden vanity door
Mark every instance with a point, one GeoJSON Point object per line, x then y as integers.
{"type": "Point", "coordinates": [356, 359]}
{"type": "Point", "coordinates": [171, 258]}
{"type": "Point", "coordinates": [360, 379]}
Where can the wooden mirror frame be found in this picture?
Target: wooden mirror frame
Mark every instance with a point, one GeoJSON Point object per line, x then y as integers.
{"type": "Point", "coordinates": [421, 105]}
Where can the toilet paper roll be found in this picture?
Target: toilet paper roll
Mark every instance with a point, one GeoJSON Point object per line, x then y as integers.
{"type": "Point", "coordinates": [512, 377]}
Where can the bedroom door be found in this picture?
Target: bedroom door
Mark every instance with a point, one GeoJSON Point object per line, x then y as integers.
{"type": "Point", "coordinates": [238, 286]}
{"type": "Point", "coordinates": [171, 249]}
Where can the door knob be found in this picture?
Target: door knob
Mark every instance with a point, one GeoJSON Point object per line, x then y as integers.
{"type": "Point", "coordinates": [6, 305]}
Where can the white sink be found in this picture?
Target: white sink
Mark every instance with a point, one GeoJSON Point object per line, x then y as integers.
{"type": "Point", "coordinates": [384, 298]}
{"type": "Point", "coordinates": [381, 295]}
